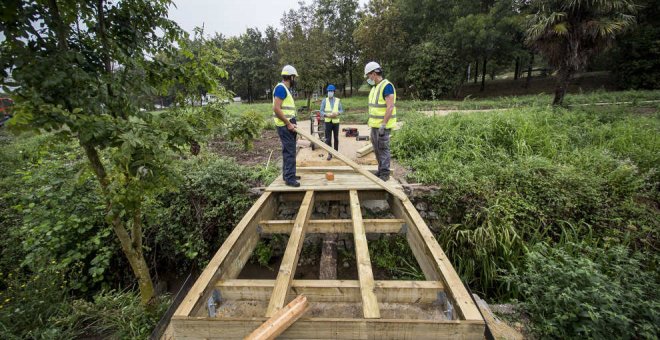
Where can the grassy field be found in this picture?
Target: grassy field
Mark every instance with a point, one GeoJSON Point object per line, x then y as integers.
{"type": "Point", "coordinates": [355, 108]}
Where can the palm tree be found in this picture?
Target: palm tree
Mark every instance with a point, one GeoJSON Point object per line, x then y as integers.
{"type": "Point", "coordinates": [571, 32]}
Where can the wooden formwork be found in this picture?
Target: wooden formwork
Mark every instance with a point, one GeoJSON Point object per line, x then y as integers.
{"type": "Point", "coordinates": [196, 317]}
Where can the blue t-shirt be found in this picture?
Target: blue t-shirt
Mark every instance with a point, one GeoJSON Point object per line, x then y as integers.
{"type": "Point", "coordinates": [389, 89]}
{"type": "Point", "coordinates": [280, 91]}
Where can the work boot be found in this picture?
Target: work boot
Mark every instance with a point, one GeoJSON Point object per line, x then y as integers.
{"type": "Point", "coordinates": [294, 184]}
{"type": "Point", "coordinates": [329, 156]}
{"type": "Point", "coordinates": [385, 178]}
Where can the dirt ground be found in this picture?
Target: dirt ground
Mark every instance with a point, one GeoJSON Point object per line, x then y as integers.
{"type": "Point", "coordinates": [268, 148]}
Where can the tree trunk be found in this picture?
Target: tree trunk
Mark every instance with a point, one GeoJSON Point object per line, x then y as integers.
{"type": "Point", "coordinates": [131, 244]}
{"type": "Point", "coordinates": [483, 76]}
{"type": "Point", "coordinates": [529, 70]}
{"type": "Point", "coordinates": [562, 85]}
{"type": "Point", "coordinates": [476, 71]}
{"type": "Point", "coordinates": [350, 79]}
{"type": "Point", "coordinates": [516, 69]}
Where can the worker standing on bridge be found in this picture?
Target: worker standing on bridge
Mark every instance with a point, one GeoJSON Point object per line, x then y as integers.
{"type": "Point", "coordinates": [330, 110]}
{"type": "Point", "coordinates": [284, 114]}
{"type": "Point", "coordinates": [382, 116]}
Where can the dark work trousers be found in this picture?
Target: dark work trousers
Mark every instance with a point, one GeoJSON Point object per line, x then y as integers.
{"type": "Point", "coordinates": [288, 140]}
{"type": "Point", "coordinates": [381, 146]}
{"type": "Point", "coordinates": [330, 130]}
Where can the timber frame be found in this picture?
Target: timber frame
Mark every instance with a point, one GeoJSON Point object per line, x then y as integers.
{"type": "Point", "coordinates": [195, 317]}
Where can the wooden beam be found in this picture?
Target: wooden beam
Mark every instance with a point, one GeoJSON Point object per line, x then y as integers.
{"type": "Point", "coordinates": [397, 193]}
{"type": "Point", "coordinates": [367, 287]}
{"type": "Point", "coordinates": [281, 320]}
{"type": "Point", "coordinates": [290, 259]}
{"type": "Point", "coordinates": [333, 290]}
{"type": "Point", "coordinates": [228, 257]}
{"type": "Point", "coordinates": [332, 328]}
{"type": "Point", "coordinates": [365, 195]}
{"type": "Point", "coordinates": [431, 255]}
{"type": "Point", "coordinates": [388, 225]}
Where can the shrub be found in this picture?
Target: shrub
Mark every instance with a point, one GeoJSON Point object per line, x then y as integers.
{"type": "Point", "coordinates": [435, 70]}
{"type": "Point", "coordinates": [189, 225]}
{"type": "Point", "coordinates": [583, 292]}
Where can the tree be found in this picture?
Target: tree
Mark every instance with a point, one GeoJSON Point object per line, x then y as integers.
{"type": "Point", "coordinates": [78, 68]}
{"type": "Point", "coordinates": [435, 71]}
{"type": "Point", "coordinates": [637, 55]}
{"type": "Point", "coordinates": [569, 33]}
{"type": "Point", "coordinates": [381, 37]}
{"type": "Point", "coordinates": [341, 19]}
{"type": "Point", "coordinates": [304, 44]}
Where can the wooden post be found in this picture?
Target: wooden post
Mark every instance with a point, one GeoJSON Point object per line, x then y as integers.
{"type": "Point", "coordinates": [397, 193]}
{"type": "Point", "coordinates": [281, 320]}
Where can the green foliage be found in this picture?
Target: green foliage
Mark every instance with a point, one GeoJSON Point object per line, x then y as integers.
{"type": "Point", "coordinates": [637, 55]}
{"type": "Point", "coordinates": [394, 254]}
{"type": "Point", "coordinates": [263, 253]}
{"type": "Point", "coordinates": [188, 225]}
{"type": "Point", "coordinates": [115, 314]}
{"type": "Point", "coordinates": [29, 301]}
{"type": "Point", "coordinates": [577, 291]}
{"type": "Point", "coordinates": [435, 70]}
{"type": "Point", "coordinates": [514, 178]}
{"type": "Point", "coordinates": [246, 128]}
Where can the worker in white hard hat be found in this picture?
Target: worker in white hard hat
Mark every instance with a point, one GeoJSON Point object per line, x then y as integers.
{"type": "Point", "coordinates": [284, 114]}
{"type": "Point", "coordinates": [382, 116]}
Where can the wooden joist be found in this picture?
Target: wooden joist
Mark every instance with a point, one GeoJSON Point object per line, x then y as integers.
{"type": "Point", "coordinates": [290, 259]}
{"type": "Point", "coordinates": [389, 225]}
{"type": "Point", "coordinates": [229, 257]}
{"type": "Point", "coordinates": [430, 256]}
{"type": "Point", "coordinates": [367, 286]}
{"type": "Point", "coordinates": [333, 290]}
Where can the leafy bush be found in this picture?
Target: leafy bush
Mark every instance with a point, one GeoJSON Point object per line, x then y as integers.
{"type": "Point", "coordinates": [589, 293]}
{"type": "Point", "coordinates": [190, 224]}
{"type": "Point", "coordinates": [246, 128]}
{"type": "Point", "coordinates": [515, 178]}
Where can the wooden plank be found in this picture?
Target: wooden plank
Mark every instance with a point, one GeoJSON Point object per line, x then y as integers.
{"type": "Point", "coordinates": [318, 182]}
{"type": "Point", "coordinates": [340, 226]}
{"type": "Point", "coordinates": [432, 253]}
{"type": "Point", "coordinates": [227, 254]}
{"type": "Point", "coordinates": [333, 168]}
{"type": "Point", "coordinates": [333, 290]}
{"type": "Point", "coordinates": [391, 189]}
{"type": "Point", "coordinates": [367, 287]}
{"type": "Point", "coordinates": [281, 320]}
{"type": "Point", "coordinates": [332, 328]}
{"type": "Point", "coordinates": [290, 258]}
{"type": "Point", "coordinates": [329, 195]}
{"type": "Point", "coordinates": [365, 150]}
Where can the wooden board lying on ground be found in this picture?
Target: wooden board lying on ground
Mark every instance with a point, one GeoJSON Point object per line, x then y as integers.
{"type": "Point", "coordinates": [370, 301]}
{"type": "Point", "coordinates": [343, 181]}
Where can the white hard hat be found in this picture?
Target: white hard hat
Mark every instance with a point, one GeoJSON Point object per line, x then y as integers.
{"type": "Point", "coordinates": [372, 65]}
{"type": "Point", "coordinates": [289, 70]}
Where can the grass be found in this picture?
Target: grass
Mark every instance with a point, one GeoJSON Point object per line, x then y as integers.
{"type": "Point", "coordinates": [513, 178]}
{"type": "Point", "coordinates": [355, 108]}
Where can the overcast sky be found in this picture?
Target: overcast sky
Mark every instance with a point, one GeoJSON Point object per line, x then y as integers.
{"type": "Point", "coordinates": [231, 17]}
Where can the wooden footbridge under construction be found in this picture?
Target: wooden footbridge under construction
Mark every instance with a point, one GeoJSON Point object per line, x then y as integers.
{"type": "Point", "coordinates": [338, 309]}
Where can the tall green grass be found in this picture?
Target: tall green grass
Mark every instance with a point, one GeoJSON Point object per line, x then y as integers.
{"type": "Point", "coordinates": [513, 178]}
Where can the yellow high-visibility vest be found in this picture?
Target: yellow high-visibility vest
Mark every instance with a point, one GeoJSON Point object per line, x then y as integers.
{"type": "Point", "coordinates": [333, 109]}
{"type": "Point", "coordinates": [377, 106]}
{"type": "Point", "coordinates": [288, 106]}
